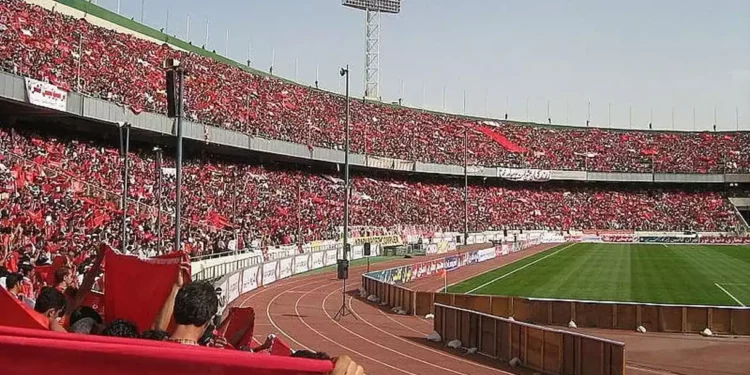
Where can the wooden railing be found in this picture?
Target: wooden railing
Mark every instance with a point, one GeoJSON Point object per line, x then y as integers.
{"type": "Point", "coordinates": [539, 348]}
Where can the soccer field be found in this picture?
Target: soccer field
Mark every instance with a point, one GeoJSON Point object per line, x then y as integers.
{"type": "Point", "coordinates": [650, 273]}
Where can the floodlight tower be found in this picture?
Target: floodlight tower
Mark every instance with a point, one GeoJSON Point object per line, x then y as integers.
{"type": "Point", "coordinates": [373, 9]}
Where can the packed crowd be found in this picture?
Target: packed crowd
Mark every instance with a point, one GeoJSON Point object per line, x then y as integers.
{"type": "Point", "coordinates": [64, 194]}
{"type": "Point", "coordinates": [185, 313]}
{"type": "Point", "coordinates": [78, 56]}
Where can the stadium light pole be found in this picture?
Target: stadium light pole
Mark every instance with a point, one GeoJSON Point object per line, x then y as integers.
{"type": "Point", "coordinates": [159, 156]}
{"type": "Point", "coordinates": [124, 149]}
{"type": "Point", "coordinates": [175, 95]}
{"type": "Point", "coordinates": [466, 184]}
{"type": "Point", "coordinates": [345, 73]}
{"type": "Point", "coordinates": [178, 166]}
{"type": "Point", "coordinates": [373, 10]}
{"type": "Point", "coordinates": [344, 310]}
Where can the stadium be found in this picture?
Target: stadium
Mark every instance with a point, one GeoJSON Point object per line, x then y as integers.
{"type": "Point", "coordinates": [165, 208]}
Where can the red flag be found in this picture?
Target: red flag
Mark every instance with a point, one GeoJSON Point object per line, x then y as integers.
{"type": "Point", "coordinates": [95, 300]}
{"type": "Point", "coordinates": [280, 348]}
{"type": "Point", "coordinates": [238, 327]}
{"type": "Point", "coordinates": [15, 314]}
{"type": "Point", "coordinates": [135, 289]}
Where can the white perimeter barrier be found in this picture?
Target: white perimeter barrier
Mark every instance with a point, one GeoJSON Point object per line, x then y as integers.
{"type": "Point", "coordinates": [255, 276]}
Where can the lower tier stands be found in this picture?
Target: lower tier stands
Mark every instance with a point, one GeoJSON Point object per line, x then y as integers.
{"type": "Point", "coordinates": [59, 192]}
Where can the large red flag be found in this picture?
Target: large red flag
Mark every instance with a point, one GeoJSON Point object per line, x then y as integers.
{"type": "Point", "coordinates": [135, 289]}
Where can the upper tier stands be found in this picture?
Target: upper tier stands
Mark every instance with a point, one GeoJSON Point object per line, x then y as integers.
{"type": "Point", "coordinates": [58, 192]}
{"type": "Point", "coordinates": [44, 45]}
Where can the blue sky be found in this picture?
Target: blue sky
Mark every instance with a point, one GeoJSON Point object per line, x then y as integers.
{"type": "Point", "coordinates": [638, 54]}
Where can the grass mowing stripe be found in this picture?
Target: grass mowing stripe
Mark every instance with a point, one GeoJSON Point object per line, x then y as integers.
{"type": "Point", "coordinates": [516, 270]}
{"type": "Point", "coordinates": [466, 285]}
{"type": "Point", "coordinates": [648, 273]}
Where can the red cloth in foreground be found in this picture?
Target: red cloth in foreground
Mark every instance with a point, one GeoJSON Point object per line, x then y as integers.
{"type": "Point", "coordinates": [41, 352]}
{"type": "Point", "coordinates": [135, 289]}
{"type": "Point", "coordinates": [238, 326]}
{"type": "Point", "coordinates": [502, 140]}
{"type": "Point", "coordinates": [14, 313]}
{"type": "Point", "coordinates": [280, 348]}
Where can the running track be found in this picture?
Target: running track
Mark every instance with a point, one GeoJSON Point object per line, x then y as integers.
{"type": "Point", "coordinates": [300, 309]}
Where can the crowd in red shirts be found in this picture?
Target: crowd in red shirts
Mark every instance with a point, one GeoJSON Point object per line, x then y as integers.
{"type": "Point", "coordinates": [64, 194]}
{"type": "Point", "coordinates": [76, 55]}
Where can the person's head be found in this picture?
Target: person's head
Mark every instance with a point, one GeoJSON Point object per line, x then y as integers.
{"type": "Point", "coordinates": [155, 334]}
{"type": "Point", "coordinates": [14, 282]}
{"type": "Point", "coordinates": [50, 302]}
{"type": "Point", "coordinates": [310, 355]}
{"type": "Point", "coordinates": [63, 275]}
{"type": "Point", "coordinates": [121, 328]}
{"type": "Point", "coordinates": [85, 312]}
{"type": "Point", "coordinates": [196, 304]}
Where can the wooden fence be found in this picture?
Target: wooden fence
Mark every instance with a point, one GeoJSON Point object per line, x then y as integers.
{"type": "Point", "coordinates": [625, 316]}
{"type": "Point", "coordinates": [542, 349]}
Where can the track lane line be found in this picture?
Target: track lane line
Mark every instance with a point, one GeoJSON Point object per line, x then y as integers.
{"type": "Point", "coordinates": [424, 347]}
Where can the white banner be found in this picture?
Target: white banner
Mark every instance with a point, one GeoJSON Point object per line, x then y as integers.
{"type": "Point", "coordinates": [486, 254]}
{"type": "Point", "coordinates": [285, 268]}
{"type": "Point", "coordinates": [301, 263]}
{"type": "Point", "coordinates": [249, 279]}
{"type": "Point", "coordinates": [269, 272]}
{"type": "Point", "coordinates": [318, 260]}
{"type": "Point", "coordinates": [331, 256]}
{"type": "Point", "coordinates": [233, 287]}
{"type": "Point", "coordinates": [46, 95]}
{"type": "Point", "coordinates": [358, 252]}
{"type": "Point", "coordinates": [524, 174]}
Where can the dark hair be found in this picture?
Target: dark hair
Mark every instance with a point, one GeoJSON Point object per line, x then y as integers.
{"type": "Point", "coordinates": [60, 274]}
{"type": "Point", "coordinates": [155, 334]}
{"type": "Point", "coordinates": [310, 354]}
{"type": "Point", "coordinates": [196, 304]}
{"type": "Point", "coordinates": [12, 280]}
{"type": "Point", "coordinates": [121, 328]}
{"type": "Point", "coordinates": [50, 298]}
{"type": "Point", "coordinates": [85, 312]}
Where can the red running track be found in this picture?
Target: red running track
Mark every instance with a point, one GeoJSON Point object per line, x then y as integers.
{"type": "Point", "coordinates": [301, 310]}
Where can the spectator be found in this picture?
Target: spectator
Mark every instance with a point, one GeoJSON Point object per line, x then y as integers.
{"type": "Point", "coordinates": [64, 278]}
{"type": "Point", "coordinates": [121, 328]}
{"type": "Point", "coordinates": [155, 334]}
{"type": "Point", "coordinates": [194, 307]}
{"type": "Point", "coordinates": [51, 303]}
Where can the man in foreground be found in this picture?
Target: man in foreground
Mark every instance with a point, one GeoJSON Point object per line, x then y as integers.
{"type": "Point", "coordinates": [193, 306]}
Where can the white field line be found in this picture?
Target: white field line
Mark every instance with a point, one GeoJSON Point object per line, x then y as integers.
{"type": "Point", "coordinates": [665, 245]}
{"type": "Point", "coordinates": [516, 270]}
{"type": "Point", "coordinates": [730, 294]}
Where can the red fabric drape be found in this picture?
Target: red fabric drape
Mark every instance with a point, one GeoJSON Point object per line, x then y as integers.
{"type": "Point", "coordinates": [34, 351]}
{"type": "Point", "coordinates": [15, 314]}
{"type": "Point", "coordinates": [238, 326]}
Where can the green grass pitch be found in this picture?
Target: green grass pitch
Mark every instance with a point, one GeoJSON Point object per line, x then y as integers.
{"type": "Point", "coordinates": [649, 273]}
